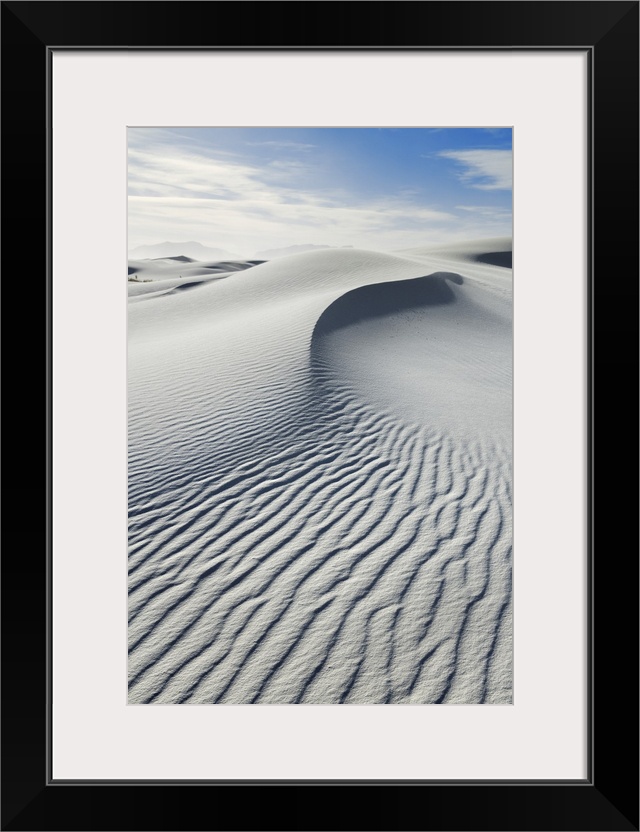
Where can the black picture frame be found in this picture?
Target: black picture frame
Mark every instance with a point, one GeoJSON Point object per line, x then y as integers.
{"type": "Point", "coordinates": [608, 798]}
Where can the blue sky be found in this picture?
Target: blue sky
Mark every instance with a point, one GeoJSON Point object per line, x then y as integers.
{"type": "Point", "coordinates": [248, 189]}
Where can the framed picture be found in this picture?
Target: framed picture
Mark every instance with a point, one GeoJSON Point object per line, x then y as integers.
{"type": "Point", "coordinates": [280, 550]}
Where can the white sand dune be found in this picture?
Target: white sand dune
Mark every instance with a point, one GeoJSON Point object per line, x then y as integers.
{"type": "Point", "coordinates": [161, 275]}
{"type": "Point", "coordinates": [320, 482]}
{"type": "Point", "coordinates": [494, 251]}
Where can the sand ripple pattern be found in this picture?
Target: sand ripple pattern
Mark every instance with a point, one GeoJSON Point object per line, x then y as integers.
{"type": "Point", "coordinates": [356, 557]}
{"type": "Point", "coordinates": [370, 563]}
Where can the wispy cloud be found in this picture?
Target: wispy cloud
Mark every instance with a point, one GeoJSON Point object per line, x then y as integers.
{"type": "Point", "coordinates": [245, 207]}
{"type": "Point", "coordinates": [245, 190]}
{"type": "Point", "coordinates": [486, 170]}
{"type": "Point", "coordinates": [283, 145]}
{"type": "Point", "coordinates": [485, 210]}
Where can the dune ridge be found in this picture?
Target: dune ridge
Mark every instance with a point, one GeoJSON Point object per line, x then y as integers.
{"type": "Point", "coordinates": [315, 516]}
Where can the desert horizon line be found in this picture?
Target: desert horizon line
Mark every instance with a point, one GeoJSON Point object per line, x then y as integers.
{"type": "Point", "coordinates": [139, 251]}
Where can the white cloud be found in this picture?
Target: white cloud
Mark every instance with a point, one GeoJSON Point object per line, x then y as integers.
{"type": "Point", "coordinates": [487, 170]}
{"type": "Point", "coordinates": [180, 192]}
{"type": "Point", "coordinates": [485, 211]}
{"type": "Point", "coordinates": [283, 145]}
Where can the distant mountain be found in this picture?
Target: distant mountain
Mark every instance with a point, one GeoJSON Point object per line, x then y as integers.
{"type": "Point", "coordinates": [196, 251]}
{"type": "Point", "coordinates": [273, 253]}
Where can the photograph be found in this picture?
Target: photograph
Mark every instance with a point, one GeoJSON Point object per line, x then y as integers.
{"type": "Point", "coordinates": [322, 450]}
{"type": "Point", "coordinates": [319, 383]}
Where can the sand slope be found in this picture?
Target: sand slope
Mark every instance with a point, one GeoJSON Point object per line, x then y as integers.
{"type": "Point", "coordinates": [320, 483]}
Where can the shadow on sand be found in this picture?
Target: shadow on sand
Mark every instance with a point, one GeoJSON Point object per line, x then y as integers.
{"type": "Point", "coordinates": [380, 299]}
{"type": "Point", "coordinates": [504, 259]}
